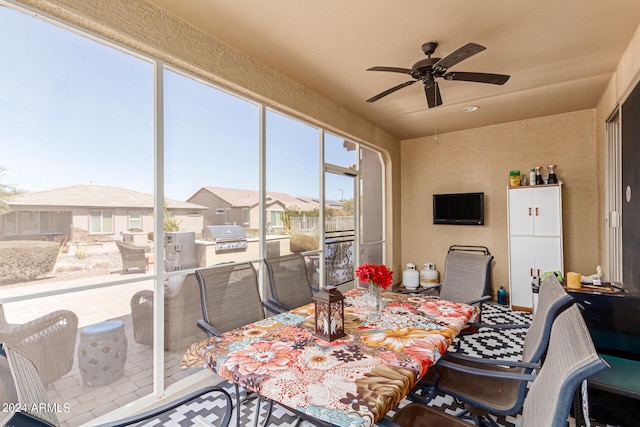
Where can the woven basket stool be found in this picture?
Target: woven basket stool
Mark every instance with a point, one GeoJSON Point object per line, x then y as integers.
{"type": "Point", "coordinates": [102, 352]}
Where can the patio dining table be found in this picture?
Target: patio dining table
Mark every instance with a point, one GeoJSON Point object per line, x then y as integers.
{"type": "Point", "coordinates": [352, 381]}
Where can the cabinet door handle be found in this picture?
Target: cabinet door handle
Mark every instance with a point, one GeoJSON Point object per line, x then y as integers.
{"type": "Point", "coordinates": [536, 211]}
{"type": "Point", "coordinates": [529, 211]}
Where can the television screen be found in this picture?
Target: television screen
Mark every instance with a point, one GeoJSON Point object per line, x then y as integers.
{"type": "Point", "coordinates": [459, 208]}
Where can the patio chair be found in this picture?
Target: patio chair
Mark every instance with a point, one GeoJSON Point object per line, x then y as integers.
{"type": "Point", "coordinates": [49, 341]}
{"type": "Point", "coordinates": [485, 385]}
{"type": "Point", "coordinates": [288, 282]}
{"type": "Point", "coordinates": [230, 299]}
{"type": "Point", "coordinates": [570, 360]}
{"type": "Point", "coordinates": [133, 257]}
{"type": "Point", "coordinates": [181, 313]}
{"type": "Point", "coordinates": [467, 275]}
{"type": "Point", "coordinates": [21, 384]}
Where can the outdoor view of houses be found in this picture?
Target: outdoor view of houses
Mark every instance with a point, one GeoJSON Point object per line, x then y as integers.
{"type": "Point", "coordinates": [78, 175]}
{"type": "Point", "coordinates": [91, 218]}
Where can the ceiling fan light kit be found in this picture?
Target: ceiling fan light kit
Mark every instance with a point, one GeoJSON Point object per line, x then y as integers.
{"type": "Point", "coordinates": [427, 70]}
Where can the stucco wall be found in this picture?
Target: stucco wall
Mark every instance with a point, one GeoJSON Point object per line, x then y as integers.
{"type": "Point", "coordinates": [480, 160]}
{"type": "Point", "coordinates": [142, 26]}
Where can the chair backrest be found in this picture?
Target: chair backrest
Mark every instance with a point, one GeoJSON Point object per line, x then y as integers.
{"type": "Point", "coordinates": [571, 359]}
{"type": "Point", "coordinates": [466, 276]}
{"type": "Point", "coordinates": [288, 281]}
{"type": "Point", "coordinates": [129, 250]}
{"type": "Point", "coordinates": [229, 295]}
{"type": "Point", "coordinates": [20, 383]}
{"type": "Point", "coordinates": [552, 300]}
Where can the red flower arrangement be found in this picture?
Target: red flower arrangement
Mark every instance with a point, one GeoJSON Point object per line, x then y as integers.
{"type": "Point", "coordinates": [378, 275]}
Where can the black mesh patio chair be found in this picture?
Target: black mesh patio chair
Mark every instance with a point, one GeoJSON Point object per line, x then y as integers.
{"type": "Point", "coordinates": [288, 282]}
{"type": "Point", "coordinates": [467, 275]}
{"type": "Point", "coordinates": [230, 299]}
{"type": "Point", "coordinates": [21, 385]}
{"type": "Point", "coordinates": [486, 385]}
{"type": "Point", "coordinates": [571, 359]}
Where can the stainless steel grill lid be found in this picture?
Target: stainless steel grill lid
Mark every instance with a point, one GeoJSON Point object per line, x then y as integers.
{"type": "Point", "coordinates": [226, 237]}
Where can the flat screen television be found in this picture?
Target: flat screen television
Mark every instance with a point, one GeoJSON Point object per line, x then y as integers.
{"type": "Point", "coordinates": [459, 208]}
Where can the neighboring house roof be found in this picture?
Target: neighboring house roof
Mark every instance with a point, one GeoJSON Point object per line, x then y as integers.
{"type": "Point", "coordinates": [329, 202]}
{"type": "Point", "coordinates": [250, 198]}
{"type": "Point", "coordinates": [97, 196]}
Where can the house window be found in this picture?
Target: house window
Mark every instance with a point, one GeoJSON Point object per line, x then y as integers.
{"type": "Point", "coordinates": [275, 218]}
{"type": "Point", "coordinates": [135, 220]}
{"type": "Point", "coordinates": [45, 221]}
{"type": "Point", "coordinates": [29, 222]}
{"type": "Point", "coordinates": [11, 224]}
{"type": "Point", "coordinates": [101, 222]}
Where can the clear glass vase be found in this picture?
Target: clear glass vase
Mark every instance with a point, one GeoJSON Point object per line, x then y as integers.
{"type": "Point", "coordinates": [375, 297]}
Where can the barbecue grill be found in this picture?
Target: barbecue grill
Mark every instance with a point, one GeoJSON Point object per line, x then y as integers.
{"type": "Point", "coordinates": [226, 237]}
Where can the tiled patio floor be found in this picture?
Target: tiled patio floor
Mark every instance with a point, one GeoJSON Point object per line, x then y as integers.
{"type": "Point", "coordinates": [85, 403]}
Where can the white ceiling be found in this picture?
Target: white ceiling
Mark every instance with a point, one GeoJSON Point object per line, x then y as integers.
{"type": "Point", "coordinates": [560, 53]}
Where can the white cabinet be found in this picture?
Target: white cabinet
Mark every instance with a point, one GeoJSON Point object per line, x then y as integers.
{"type": "Point", "coordinates": [535, 238]}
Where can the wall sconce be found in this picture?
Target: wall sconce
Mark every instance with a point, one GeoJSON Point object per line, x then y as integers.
{"type": "Point", "coordinates": [329, 313]}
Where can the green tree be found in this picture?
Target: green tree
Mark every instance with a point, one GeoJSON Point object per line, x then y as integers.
{"type": "Point", "coordinates": [170, 223]}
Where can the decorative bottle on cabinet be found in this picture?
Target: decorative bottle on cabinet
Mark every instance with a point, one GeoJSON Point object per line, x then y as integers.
{"type": "Point", "coordinates": [535, 238]}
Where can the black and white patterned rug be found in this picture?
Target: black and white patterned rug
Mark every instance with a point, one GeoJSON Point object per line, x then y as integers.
{"type": "Point", "coordinates": [505, 344]}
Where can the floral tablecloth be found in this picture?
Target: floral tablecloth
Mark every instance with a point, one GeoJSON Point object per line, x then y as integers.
{"type": "Point", "coordinates": [353, 381]}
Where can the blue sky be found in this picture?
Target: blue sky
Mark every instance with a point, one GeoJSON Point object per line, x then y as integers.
{"type": "Point", "coordinates": [73, 111]}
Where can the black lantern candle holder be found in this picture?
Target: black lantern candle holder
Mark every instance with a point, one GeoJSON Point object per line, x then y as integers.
{"type": "Point", "coordinates": [329, 313]}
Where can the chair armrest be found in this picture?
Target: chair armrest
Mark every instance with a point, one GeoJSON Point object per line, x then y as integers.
{"type": "Point", "coordinates": [278, 305]}
{"type": "Point", "coordinates": [60, 319]}
{"type": "Point", "coordinates": [210, 330]}
{"type": "Point", "coordinates": [451, 357]}
{"type": "Point", "coordinates": [272, 308]}
{"type": "Point", "coordinates": [486, 372]}
{"type": "Point", "coordinates": [479, 300]}
{"type": "Point", "coordinates": [431, 287]}
{"type": "Point", "coordinates": [174, 404]}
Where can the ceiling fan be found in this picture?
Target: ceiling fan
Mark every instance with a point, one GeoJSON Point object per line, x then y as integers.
{"type": "Point", "coordinates": [428, 69]}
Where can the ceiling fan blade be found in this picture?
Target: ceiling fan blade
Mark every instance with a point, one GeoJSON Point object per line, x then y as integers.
{"type": "Point", "coordinates": [496, 79]}
{"type": "Point", "coordinates": [392, 69]}
{"type": "Point", "coordinates": [459, 55]}
{"type": "Point", "coordinates": [393, 89]}
{"type": "Point", "coordinates": [432, 91]}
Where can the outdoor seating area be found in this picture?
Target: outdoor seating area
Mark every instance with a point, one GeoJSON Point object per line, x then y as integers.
{"type": "Point", "coordinates": [319, 214]}
{"type": "Point", "coordinates": [113, 354]}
